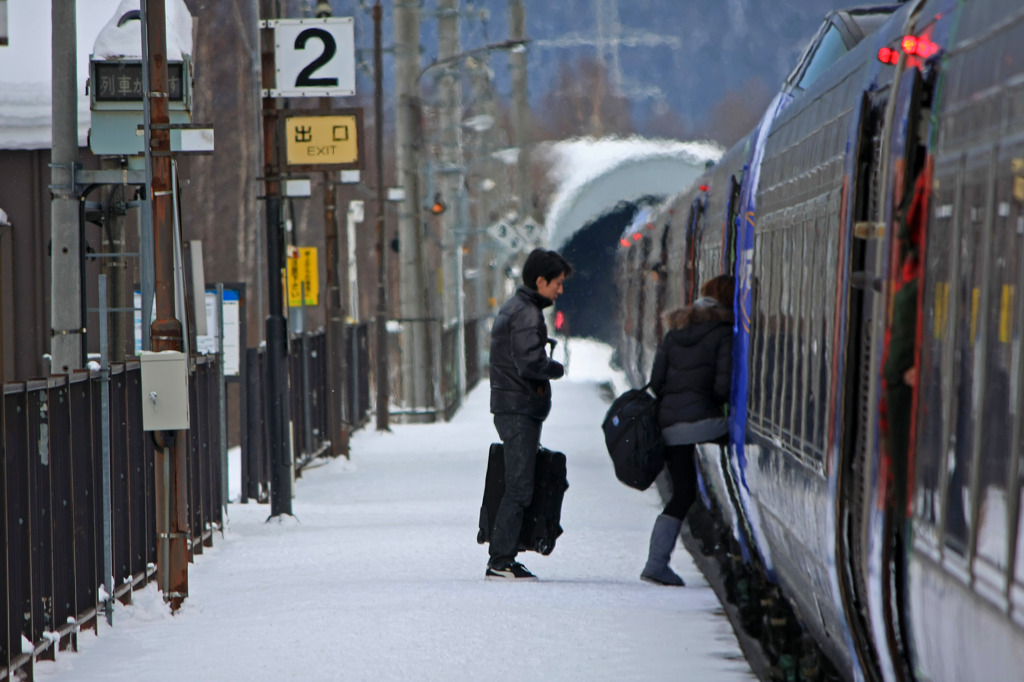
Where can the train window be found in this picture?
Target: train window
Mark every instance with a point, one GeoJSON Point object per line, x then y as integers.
{"type": "Point", "coordinates": [773, 255]}
{"type": "Point", "coordinates": [827, 53]}
{"type": "Point", "coordinates": [867, 22]}
{"type": "Point", "coordinates": [1003, 275]}
{"type": "Point", "coordinates": [979, 16]}
{"type": "Point", "coordinates": [967, 289]}
{"type": "Point", "coordinates": [933, 390]}
{"type": "Point", "coordinates": [792, 293]}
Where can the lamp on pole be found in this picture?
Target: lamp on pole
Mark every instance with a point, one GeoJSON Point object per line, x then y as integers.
{"type": "Point", "coordinates": [416, 345]}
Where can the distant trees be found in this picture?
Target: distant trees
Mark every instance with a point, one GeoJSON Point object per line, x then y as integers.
{"type": "Point", "coordinates": [737, 112]}
{"type": "Point", "coordinates": [583, 102]}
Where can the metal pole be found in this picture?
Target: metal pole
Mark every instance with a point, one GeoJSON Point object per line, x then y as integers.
{"type": "Point", "coordinates": [383, 392]}
{"type": "Point", "coordinates": [276, 325]}
{"type": "Point", "coordinates": [307, 414]}
{"type": "Point", "coordinates": [166, 330]}
{"type": "Point", "coordinates": [353, 215]}
{"type": "Point", "coordinates": [108, 551]}
{"type": "Point", "coordinates": [222, 401]}
{"type": "Point", "coordinates": [66, 332]}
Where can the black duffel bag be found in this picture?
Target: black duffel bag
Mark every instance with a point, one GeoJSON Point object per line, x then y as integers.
{"type": "Point", "coordinates": [633, 438]}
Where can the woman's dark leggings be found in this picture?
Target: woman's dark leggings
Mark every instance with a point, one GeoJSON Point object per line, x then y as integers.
{"type": "Point", "coordinates": [682, 469]}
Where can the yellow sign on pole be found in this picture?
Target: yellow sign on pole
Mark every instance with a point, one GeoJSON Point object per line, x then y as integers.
{"type": "Point", "coordinates": [321, 141]}
{"type": "Point", "coordinates": [303, 270]}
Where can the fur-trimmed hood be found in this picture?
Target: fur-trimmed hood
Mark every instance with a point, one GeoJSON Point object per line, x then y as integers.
{"type": "Point", "coordinates": [704, 309]}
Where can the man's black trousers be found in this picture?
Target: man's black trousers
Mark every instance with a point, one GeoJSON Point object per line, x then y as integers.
{"type": "Point", "coordinates": [520, 436]}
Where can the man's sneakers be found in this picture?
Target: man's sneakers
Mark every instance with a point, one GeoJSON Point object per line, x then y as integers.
{"type": "Point", "coordinates": [512, 571]}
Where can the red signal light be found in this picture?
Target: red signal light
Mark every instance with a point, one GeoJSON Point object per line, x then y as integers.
{"type": "Point", "coordinates": [637, 236]}
{"type": "Point", "coordinates": [909, 44]}
{"type": "Point", "coordinates": [624, 242]}
{"type": "Point", "coordinates": [926, 48]}
{"type": "Point", "coordinates": [704, 188]}
{"type": "Point", "coordinates": [887, 56]}
{"type": "Point", "coordinates": [438, 207]}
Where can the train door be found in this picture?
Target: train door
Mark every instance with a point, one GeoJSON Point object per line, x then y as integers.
{"type": "Point", "coordinates": [731, 227]}
{"type": "Point", "coordinates": [660, 270]}
{"type": "Point", "coordinates": [690, 252]}
{"type": "Point", "coordinates": [910, 185]}
{"type": "Point", "coordinates": [855, 468]}
{"type": "Point", "coordinates": [872, 480]}
{"type": "Point", "coordinates": [856, 464]}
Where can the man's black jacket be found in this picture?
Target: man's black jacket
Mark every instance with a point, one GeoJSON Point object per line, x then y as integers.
{"type": "Point", "coordinates": [520, 367]}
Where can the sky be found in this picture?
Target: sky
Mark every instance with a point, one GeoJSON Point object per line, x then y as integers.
{"type": "Point", "coordinates": [378, 575]}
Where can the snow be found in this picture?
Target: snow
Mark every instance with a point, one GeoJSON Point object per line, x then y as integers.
{"type": "Point", "coordinates": [26, 64]}
{"type": "Point", "coordinates": [578, 164]}
{"type": "Point", "coordinates": [378, 575]}
{"type": "Point", "coordinates": [125, 41]}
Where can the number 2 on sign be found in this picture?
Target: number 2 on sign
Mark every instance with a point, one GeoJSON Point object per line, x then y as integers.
{"type": "Point", "coordinates": [305, 78]}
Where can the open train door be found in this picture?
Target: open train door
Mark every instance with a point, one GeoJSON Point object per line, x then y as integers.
{"type": "Point", "coordinates": [872, 481]}
{"type": "Point", "coordinates": [857, 463]}
{"type": "Point", "coordinates": [909, 188]}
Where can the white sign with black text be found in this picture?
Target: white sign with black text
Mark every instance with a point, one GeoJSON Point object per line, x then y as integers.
{"type": "Point", "coordinates": [313, 57]}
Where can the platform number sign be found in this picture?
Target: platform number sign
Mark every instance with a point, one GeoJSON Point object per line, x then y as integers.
{"type": "Point", "coordinates": [313, 57]}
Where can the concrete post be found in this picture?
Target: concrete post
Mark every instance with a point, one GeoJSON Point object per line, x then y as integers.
{"type": "Point", "coordinates": [451, 180]}
{"type": "Point", "coordinates": [521, 107]}
{"type": "Point", "coordinates": [66, 331]}
{"type": "Point", "coordinates": [416, 361]}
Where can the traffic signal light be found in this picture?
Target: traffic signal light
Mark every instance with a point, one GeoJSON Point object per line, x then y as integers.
{"type": "Point", "coordinates": [438, 207]}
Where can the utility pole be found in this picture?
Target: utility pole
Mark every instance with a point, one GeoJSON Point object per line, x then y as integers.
{"type": "Point", "coordinates": [451, 180]}
{"type": "Point", "coordinates": [521, 108]}
{"type": "Point", "coordinates": [66, 333]}
{"type": "Point", "coordinates": [416, 360]}
{"type": "Point", "coordinates": [484, 94]}
{"type": "Point", "coordinates": [166, 330]}
{"type": "Point", "coordinates": [276, 325]}
{"type": "Point", "coordinates": [335, 319]}
{"type": "Point", "coordinates": [335, 310]}
{"type": "Point", "coordinates": [383, 391]}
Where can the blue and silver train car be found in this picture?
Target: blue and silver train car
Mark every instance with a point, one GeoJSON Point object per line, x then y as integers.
{"type": "Point", "coordinates": [875, 223]}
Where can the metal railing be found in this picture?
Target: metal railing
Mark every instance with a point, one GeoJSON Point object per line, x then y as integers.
{"type": "Point", "coordinates": [308, 404]}
{"type": "Point", "coordinates": [52, 542]}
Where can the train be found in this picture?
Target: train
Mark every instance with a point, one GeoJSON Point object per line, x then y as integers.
{"type": "Point", "coordinates": [874, 222]}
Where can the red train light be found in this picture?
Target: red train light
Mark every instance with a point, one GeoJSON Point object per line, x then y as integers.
{"type": "Point", "coordinates": [912, 46]}
{"type": "Point", "coordinates": [926, 48]}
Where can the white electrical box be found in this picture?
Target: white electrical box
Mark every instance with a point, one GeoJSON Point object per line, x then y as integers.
{"type": "Point", "coordinates": [164, 391]}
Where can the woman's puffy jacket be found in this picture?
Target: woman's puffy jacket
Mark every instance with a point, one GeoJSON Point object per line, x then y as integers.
{"type": "Point", "coordinates": [692, 370]}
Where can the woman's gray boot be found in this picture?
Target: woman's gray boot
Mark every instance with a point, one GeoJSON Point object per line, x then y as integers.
{"type": "Point", "coordinates": [663, 541]}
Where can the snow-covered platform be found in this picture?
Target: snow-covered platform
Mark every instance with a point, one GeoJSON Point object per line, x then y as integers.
{"type": "Point", "coordinates": [379, 577]}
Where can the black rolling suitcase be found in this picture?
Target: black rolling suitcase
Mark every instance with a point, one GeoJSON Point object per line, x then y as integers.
{"type": "Point", "coordinates": [541, 521]}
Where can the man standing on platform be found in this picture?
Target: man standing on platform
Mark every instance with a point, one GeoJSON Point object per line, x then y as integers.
{"type": "Point", "coordinates": [520, 377]}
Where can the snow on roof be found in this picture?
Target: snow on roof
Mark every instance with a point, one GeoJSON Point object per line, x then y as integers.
{"type": "Point", "coordinates": [121, 37]}
{"type": "Point", "coordinates": [25, 63]}
{"type": "Point", "coordinates": [578, 163]}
